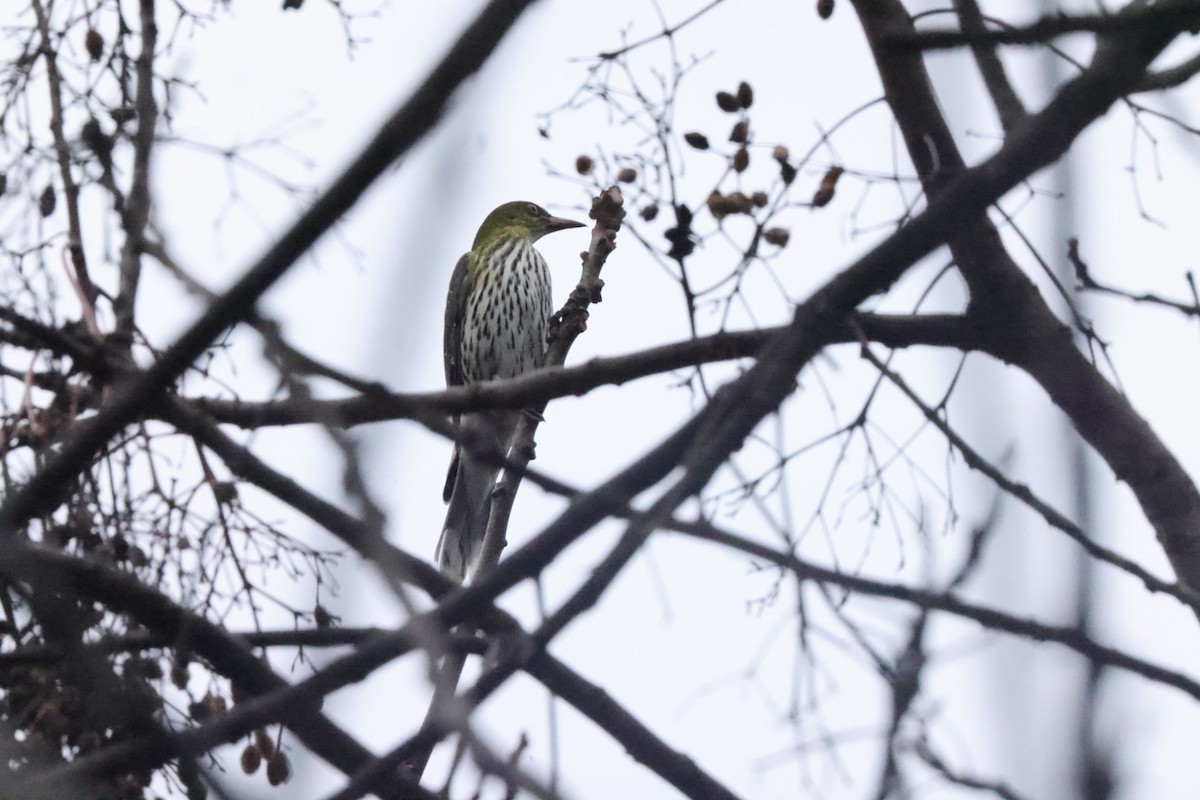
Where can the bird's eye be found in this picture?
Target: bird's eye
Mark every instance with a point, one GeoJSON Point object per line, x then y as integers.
{"type": "Point", "coordinates": [533, 209]}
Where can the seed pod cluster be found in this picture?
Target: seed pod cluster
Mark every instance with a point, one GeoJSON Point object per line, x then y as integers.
{"type": "Point", "coordinates": [683, 241]}
{"type": "Point", "coordinates": [723, 205]}
{"type": "Point", "coordinates": [732, 102]}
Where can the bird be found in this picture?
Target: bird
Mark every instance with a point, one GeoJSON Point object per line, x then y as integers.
{"type": "Point", "coordinates": [497, 317]}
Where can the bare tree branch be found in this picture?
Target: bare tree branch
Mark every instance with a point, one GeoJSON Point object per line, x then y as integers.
{"type": "Point", "coordinates": [1024, 331]}
{"type": "Point", "coordinates": [398, 133]}
{"type": "Point", "coordinates": [1135, 19]}
{"type": "Point", "coordinates": [137, 206]}
{"type": "Point", "coordinates": [548, 383]}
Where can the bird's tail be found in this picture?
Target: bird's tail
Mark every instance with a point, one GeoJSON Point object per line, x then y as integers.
{"type": "Point", "coordinates": [470, 486]}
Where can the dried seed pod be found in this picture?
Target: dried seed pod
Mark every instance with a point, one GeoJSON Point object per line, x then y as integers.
{"type": "Point", "coordinates": [217, 705]}
{"type": "Point", "coordinates": [759, 199]}
{"type": "Point", "coordinates": [777, 236]}
{"type": "Point", "coordinates": [780, 153]}
{"type": "Point", "coordinates": [279, 769]}
{"type": "Point", "coordinates": [825, 191]}
{"type": "Point", "coordinates": [717, 205]}
{"type": "Point", "coordinates": [727, 102]}
{"type": "Point", "coordinates": [48, 201]}
{"type": "Point", "coordinates": [722, 205]}
{"type": "Point", "coordinates": [251, 759]}
{"type": "Point", "coordinates": [824, 8]}
{"type": "Point", "coordinates": [740, 202]}
{"type": "Point", "coordinates": [683, 241]}
{"type": "Point", "coordinates": [180, 675]}
{"type": "Point", "coordinates": [740, 132]}
{"type": "Point", "coordinates": [745, 95]}
{"type": "Point", "coordinates": [199, 711]}
{"type": "Point", "coordinates": [93, 42]}
{"type": "Point", "coordinates": [741, 160]}
{"type": "Point", "coordinates": [696, 140]}
{"type": "Point", "coordinates": [3, 183]}
{"type": "Point", "coordinates": [264, 742]}
{"type": "Point", "coordinates": [649, 212]}
{"type": "Point", "coordinates": [787, 173]}
{"type": "Point", "coordinates": [627, 175]}
{"type": "Point", "coordinates": [583, 165]}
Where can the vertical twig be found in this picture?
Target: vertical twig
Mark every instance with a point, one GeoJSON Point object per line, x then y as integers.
{"type": "Point", "coordinates": [137, 208]}
{"type": "Point", "coordinates": [570, 321]}
{"type": "Point", "coordinates": [62, 151]}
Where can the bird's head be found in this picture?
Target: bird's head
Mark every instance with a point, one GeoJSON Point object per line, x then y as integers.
{"type": "Point", "coordinates": [520, 219]}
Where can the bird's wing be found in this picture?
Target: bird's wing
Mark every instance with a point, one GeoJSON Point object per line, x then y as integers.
{"type": "Point", "coordinates": [456, 301]}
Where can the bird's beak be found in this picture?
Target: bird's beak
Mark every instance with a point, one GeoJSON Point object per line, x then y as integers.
{"type": "Point", "coordinates": [559, 224]}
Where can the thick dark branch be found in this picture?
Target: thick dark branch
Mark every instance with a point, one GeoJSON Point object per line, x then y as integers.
{"type": "Point", "coordinates": [1170, 77]}
{"type": "Point", "coordinates": [1009, 107]}
{"type": "Point", "coordinates": [1004, 301]}
{"type": "Point", "coordinates": [643, 746]}
{"type": "Point", "coordinates": [84, 353]}
{"type": "Point", "coordinates": [403, 129]}
{"type": "Point", "coordinates": [540, 386]}
{"type": "Point", "coordinates": [1162, 19]}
